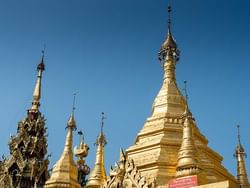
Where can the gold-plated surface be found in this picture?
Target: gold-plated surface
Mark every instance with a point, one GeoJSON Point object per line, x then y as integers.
{"type": "Point", "coordinates": [97, 176]}
{"type": "Point", "coordinates": [155, 151]}
{"type": "Point", "coordinates": [65, 172]}
{"type": "Point", "coordinates": [241, 167]}
{"type": "Point", "coordinates": [169, 146]}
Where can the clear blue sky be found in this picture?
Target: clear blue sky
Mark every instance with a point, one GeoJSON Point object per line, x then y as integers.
{"type": "Point", "coordinates": [107, 52]}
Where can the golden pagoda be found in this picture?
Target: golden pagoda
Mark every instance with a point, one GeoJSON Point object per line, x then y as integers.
{"type": "Point", "coordinates": [97, 176]}
{"type": "Point", "coordinates": [188, 162]}
{"type": "Point", "coordinates": [156, 150]}
{"type": "Point", "coordinates": [169, 151]}
{"type": "Point", "coordinates": [65, 172]}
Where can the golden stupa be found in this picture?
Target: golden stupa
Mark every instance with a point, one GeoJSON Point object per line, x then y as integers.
{"type": "Point", "coordinates": [65, 172]}
{"type": "Point", "coordinates": [169, 150]}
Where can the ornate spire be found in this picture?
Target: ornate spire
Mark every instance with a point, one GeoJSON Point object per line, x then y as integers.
{"type": "Point", "coordinates": [65, 171]}
{"type": "Point", "coordinates": [187, 162]}
{"type": "Point", "coordinates": [97, 177]}
{"type": "Point", "coordinates": [71, 126]}
{"type": "Point", "coordinates": [37, 90]}
{"type": "Point", "coordinates": [240, 154]}
{"type": "Point", "coordinates": [169, 99]}
{"type": "Point", "coordinates": [71, 122]}
{"type": "Point", "coordinates": [169, 50]}
{"type": "Point", "coordinates": [101, 140]}
{"type": "Point", "coordinates": [27, 165]}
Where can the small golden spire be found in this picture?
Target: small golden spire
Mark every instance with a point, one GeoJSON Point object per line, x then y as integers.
{"type": "Point", "coordinates": [240, 154]}
{"type": "Point", "coordinates": [98, 176]}
{"type": "Point", "coordinates": [65, 172]}
{"type": "Point", "coordinates": [188, 163]}
{"type": "Point", "coordinates": [37, 90]}
{"type": "Point", "coordinates": [71, 126]}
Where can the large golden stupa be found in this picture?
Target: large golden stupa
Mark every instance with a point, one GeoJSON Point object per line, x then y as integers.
{"type": "Point", "coordinates": [169, 150]}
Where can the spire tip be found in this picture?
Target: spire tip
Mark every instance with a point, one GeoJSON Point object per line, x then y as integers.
{"type": "Point", "coordinates": [102, 121]}
{"type": "Point", "coordinates": [238, 136]}
{"type": "Point", "coordinates": [74, 103]}
{"type": "Point", "coordinates": [169, 47]}
{"type": "Point", "coordinates": [169, 15]}
{"type": "Point", "coordinates": [71, 122]}
{"type": "Point", "coordinates": [101, 137]}
{"type": "Point", "coordinates": [41, 65]}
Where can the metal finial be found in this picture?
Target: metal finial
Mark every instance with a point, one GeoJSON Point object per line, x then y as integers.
{"type": "Point", "coordinates": [102, 121]}
{"type": "Point", "coordinates": [239, 147]}
{"type": "Point", "coordinates": [41, 66]}
{"type": "Point", "coordinates": [43, 51]}
{"type": "Point", "coordinates": [185, 90]}
{"type": "Point", "coordinates": [74, 103]}
{"type": "Point", "coordinates": [169, 15]}
{"type": "Point", "coordinates": [238, 127]}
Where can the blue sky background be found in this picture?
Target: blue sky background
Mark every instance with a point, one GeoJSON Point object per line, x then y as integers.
{"type": "Point", "coordinates": [107, 52]}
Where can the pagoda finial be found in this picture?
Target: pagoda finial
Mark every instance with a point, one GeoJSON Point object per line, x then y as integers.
{"type": "Point", "coordinates": [102, 121]}
{"type": "Point", "coordinates": [240, 155]}
{"type": "Point", "coordinates": [238, 136]}
{"type": "Point", "coordinates": [101, 140]}
{"type": "Point", "coordinates": [169, 47]}
{"type": "Point", "coordinates": [37, 90]}
{"type": "Point", "coordinates": [169, 18]}
{"type": "Point", "coordinates": [71, 123]}
{"type": "Point", "coordinates": [74, 103]}
{"type": "Point", "coordinates": [239, 148]}
{"type": "Point", "coordinates": [169, 53]}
